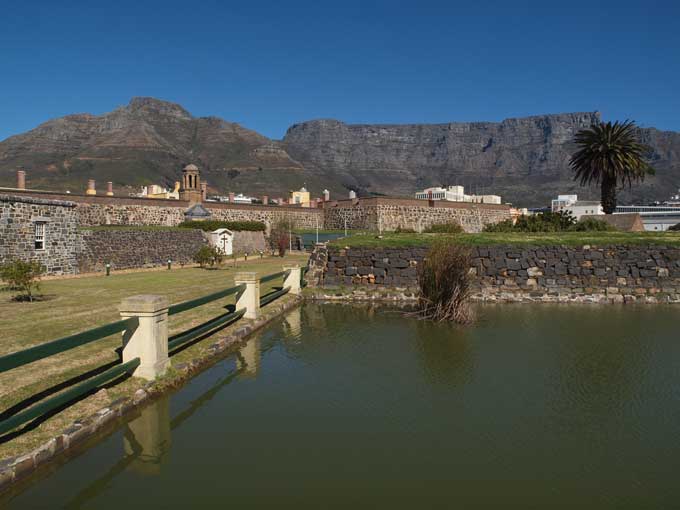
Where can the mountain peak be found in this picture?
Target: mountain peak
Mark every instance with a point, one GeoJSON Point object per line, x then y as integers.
{"type": "Point", "coordinates": [157, 106]}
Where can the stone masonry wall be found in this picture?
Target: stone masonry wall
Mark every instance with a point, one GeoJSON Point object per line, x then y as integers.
{"type": "Point", "coordinates": [18, 215]}
{"type": "Point", "coordinates": [647, 274]}
{"type": "Point", "coordinates": [385, 214]}
{"type": "Point", "coordinates": [129, 248]}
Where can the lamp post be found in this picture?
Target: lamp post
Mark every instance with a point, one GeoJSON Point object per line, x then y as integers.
{"type": "Point", "coordinates": [108, 269]}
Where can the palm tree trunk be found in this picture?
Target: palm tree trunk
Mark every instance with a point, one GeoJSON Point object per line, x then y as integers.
{"type": "Point", "coordinates": [608, 188]}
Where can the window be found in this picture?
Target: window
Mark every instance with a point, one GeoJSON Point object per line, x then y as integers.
{"type": "Point", "coordinates": [39, 235]}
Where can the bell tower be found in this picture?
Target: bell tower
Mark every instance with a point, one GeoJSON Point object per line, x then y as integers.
{"type": "Point", "coordinates": [191, 184]}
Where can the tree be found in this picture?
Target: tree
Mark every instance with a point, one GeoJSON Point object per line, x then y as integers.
{"type": "Point", "coordinates": [23, 276]}
{"type": "Point", "coordinates": [208, 255]}
{"type": "Point", "coordinates": [280, 236]}
{"type": "Point", "coordinates": [610, 155]}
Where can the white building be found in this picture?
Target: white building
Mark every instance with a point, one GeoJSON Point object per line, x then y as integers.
{"type": "Point", "coordinates": [577, 208]}
{"type": "Point", "coordinates": [656, 218]}
{"type": "Point", "coordinates": [223, 240]}
{"type": "Point", "coordinates": [456, 194]}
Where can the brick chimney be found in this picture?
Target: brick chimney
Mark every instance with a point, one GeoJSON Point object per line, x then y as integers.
{"type": "Point", "coordinates": [231, 196]}
{"type": "Point", "coordinates": [90, 187]}
{"type": "Point", "coordinates": [109, 189]}
{"type": "Point", "coordinates": [265, 200]}
{"type": "Point", "coordinates": [21, 179]}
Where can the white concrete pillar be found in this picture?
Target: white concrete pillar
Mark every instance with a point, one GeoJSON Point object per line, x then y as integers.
{"type": "Point", "coordinates": [149, 340]}
{"type": "Point", "coordinates": [250, 298]}
{"type": "Point", "coordinates": [293, 279]}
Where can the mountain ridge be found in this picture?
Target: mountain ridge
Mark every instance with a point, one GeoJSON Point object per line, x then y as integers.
{"type": "Point", "coordinates": [524, 159]}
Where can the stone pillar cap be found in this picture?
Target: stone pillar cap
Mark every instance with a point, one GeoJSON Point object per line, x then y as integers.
{"type": "Point", "coordinates": [245, 276]}
{"type": "Point", "coordinates": [144, 303]}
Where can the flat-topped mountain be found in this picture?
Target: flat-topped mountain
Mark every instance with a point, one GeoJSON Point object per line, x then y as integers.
{"type": "Point", "coordinates": [525, 160]}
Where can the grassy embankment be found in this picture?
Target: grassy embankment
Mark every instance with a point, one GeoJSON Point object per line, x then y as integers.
{"type": "Point", "coordinates": [74, 305]}
{"type": "Point", "coordinates": [392, 240]}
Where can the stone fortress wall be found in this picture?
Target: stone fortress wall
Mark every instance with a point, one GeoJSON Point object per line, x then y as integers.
{"type": "Point", "coordinates": [389, 214]}
{"type": "Point", "coordinates": [606, 274]}
{"type": "Point", "coordinates": [136, 248]}
{"type": "Point", "coordinates": [18, 217]}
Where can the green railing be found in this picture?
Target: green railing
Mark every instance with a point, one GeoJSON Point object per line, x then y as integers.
{"type": "Point", "coordinates": [38, 352]}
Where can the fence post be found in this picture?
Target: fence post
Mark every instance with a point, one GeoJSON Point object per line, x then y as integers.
{"type": "Point", "coordinates": [250, 298]}
{"type": "Point", "coordinates": [149, 340]}
{"type": "Point", "coordinates": [293, 279]}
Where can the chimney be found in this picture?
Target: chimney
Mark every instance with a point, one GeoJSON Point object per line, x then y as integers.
{"type": "Point", "coordinates": [265, 200]}
{"type": "Point", "coordinates": [21, 179]}
{"type": "Point", "coordinates": [352, 194]}
{"type": "Point", "coordinates": [204, 190]}
{"type": "Point", "coordinates": [90, 187]}
{"type": "Point", "coordinates": [326, 195]}
{"type": "Point", "coordinates": [109, 189]}
{"type": "Point", "coordinates": [231, 196]}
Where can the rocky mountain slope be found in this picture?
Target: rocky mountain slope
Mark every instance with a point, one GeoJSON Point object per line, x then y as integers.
{"type": "Point", "coordinates": [525, 160]}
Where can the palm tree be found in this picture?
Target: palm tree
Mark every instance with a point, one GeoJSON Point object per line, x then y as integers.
{"type": "Point", "coordinates": [610, 154]}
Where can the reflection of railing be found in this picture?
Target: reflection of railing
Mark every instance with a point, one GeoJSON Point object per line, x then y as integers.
{"type": "Point", "coordinates": [146, 343]}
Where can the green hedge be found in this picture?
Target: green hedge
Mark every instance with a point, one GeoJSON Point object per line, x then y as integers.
{"type": "Point", "coordinates": [210, 225]}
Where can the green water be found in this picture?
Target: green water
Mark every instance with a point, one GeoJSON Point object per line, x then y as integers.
{"type": "Point", "coordinates": [340, 406]}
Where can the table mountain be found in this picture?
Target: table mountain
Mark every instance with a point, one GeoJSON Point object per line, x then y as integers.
{"type": "Point", "coordinates": [525, 160]}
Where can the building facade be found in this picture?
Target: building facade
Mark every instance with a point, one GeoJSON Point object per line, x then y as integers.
{"type": "Point", "coordinates": [35, 229]}
{"type": "Point", "coordinates": [456, 194]}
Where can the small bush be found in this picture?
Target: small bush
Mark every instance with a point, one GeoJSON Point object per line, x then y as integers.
{"type": "Point", "coordinates": [444, 280]}
{"type": "Point", "coordinates": [208, 256]}
{"type": "Point", "coordinates": [22, 276]}
{"type": "Point", "coordinates": [444, 228]}
{"type": "Point", "coordinates": [210, 225]}
{"type": "Point", "coordinates": [675, 228]}
{"type": "Point", "coordinates": [591, 225]}
{"type": "Point", "coordinates": [560, 221]}
{"type": "Point", "coordinates": [404, 230]}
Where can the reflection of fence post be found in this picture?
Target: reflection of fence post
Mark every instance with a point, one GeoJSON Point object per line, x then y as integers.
{"type": "Point", "coordinates": [149, 437]}
{"type": "Point", "coordinates": [250, 298]}
{"type": "Point", "coordinates": [293, 279]}
{"type": "Point", "coordinates": [149, 340]}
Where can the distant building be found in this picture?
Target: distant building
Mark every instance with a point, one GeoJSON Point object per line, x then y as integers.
{"type": "Point", "coordinates": [577, 208]}
{"type": "Point", "coordinates": [300, 197]}
{"type": "Point", "coordinates": [456, 194]}
{"type": "Point", "coordinates": [156, 191]}
{"type": "Point", "coordinates": [655, 218]}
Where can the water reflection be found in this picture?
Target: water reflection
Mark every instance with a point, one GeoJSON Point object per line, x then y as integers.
{"type": "Point", "coordinates": [147, 438]}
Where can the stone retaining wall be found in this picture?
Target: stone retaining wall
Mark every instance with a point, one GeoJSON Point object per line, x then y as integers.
{"type": "Point", "coordinates": [648, 274]}
{"type": "Point", "coordinates": [127, 249]}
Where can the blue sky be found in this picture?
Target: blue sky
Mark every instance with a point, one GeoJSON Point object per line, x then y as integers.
{"type": "Point", "coordinates": [267, 65]}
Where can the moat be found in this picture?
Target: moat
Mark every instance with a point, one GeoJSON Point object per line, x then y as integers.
{"type": "Point", "coordinates": [346, 406]}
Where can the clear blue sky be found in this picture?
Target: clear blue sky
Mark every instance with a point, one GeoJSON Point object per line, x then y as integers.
{"type": "Point", "coordinates": [267, 65]}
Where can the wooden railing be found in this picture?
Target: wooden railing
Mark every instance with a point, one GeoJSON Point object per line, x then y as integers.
{"type": "Point", "coordinates": [128, 326]}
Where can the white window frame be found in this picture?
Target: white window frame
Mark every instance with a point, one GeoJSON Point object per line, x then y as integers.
{"type": "Point", "coordinates": [40, 235]}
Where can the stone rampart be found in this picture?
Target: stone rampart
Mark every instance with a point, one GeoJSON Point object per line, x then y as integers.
{"type": "Point", "coordinates": [617, 274]}
{"type": "Point", "coordinates": [130, 248]}
{"type": "Point", "coordinates": [389, 214]}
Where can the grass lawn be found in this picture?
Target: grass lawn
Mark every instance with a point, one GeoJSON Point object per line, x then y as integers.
{"type": "Point", "coordinates": [78, 304]}
{"type": "Point", "coordinates": [392, 240]}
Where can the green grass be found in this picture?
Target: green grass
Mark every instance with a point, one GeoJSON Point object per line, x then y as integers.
{"type": "Point", "coordinates": [78, 304]}
{"type": "Point", "coordinates": [392, 240]}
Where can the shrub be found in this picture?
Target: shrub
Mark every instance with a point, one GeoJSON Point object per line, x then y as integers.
{"type": "Point", "coordinates": [22, 276]}
{"type": "Point", "coordinates": [280, 236]}
{"type": "Point", "coordinates": [591, 225]}
{"type": "Point", "coordinates": [404, 230]}
{"type": "Point", "coordinates": [208, 255]}
{"type": "Point", "coordinates": [444, 280]}
{"type": "Point", "coordinates": [445, 228]}
{"type": "Point", "coordinates": [675, 228]}
{"type": "Point", "coordinates": [542, 222]}
{"type": "Point", "coordinates": [210, 225]}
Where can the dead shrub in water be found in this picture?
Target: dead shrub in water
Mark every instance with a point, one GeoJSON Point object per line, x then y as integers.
{"type": "Point", "coordinates": [444, 280]}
